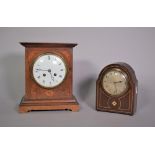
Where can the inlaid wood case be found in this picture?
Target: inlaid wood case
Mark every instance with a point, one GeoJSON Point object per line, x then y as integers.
{"type": "Point", "coordinates": [38, 97]}
{"type": "Point", "coordinates": [119, 96]}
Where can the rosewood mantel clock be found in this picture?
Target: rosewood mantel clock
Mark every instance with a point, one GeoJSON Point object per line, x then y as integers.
{"type": "Point", "coordinates": [116, 89]}
{"type": "Point", "coordinates": [48, 77]}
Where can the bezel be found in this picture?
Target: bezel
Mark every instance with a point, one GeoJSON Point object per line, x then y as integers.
{"type": "Point", "coordinates": [49, 53]}
{"type": "Point", "coordinates": [118, 70]}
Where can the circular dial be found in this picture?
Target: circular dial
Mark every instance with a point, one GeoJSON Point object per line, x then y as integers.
{"type": "Point", "coordinates": [115, 82]}
{"type": "Point", "coordinates": [49, 70]}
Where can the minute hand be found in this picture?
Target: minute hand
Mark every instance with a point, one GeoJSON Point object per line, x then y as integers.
{"type": "Point", "coordinates": [118, 82]}
{"type": "Point", "coordinates": [51, 76]}
{"type": "Point", "coordinates": [41, 70]}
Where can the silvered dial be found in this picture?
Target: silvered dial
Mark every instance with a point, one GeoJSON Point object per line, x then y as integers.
{"type": "Point", "coordinates": [115, 82]}
{"type": "Point", "coordinates": [49, 70]}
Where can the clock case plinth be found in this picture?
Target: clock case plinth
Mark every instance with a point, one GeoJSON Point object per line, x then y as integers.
{"type": "Point", "coordinates": [39, 98]}
{"type": "Point", "coordinates": [57, 104]}
{"type": "Point", "coordinates": [123, 104]}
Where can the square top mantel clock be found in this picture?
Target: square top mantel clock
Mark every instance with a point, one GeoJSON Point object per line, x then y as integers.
{"type": "Point", "coordinates": [48, 77]}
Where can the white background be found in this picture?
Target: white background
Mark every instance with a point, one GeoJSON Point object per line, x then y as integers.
{"type": "Point", "coordinates": [77, 140]}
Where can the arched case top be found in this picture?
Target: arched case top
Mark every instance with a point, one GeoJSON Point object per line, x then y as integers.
{"type": "Point", "coordinates": [124, 103]}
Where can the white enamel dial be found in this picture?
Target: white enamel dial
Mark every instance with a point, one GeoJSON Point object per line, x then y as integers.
{"type": "Point", "coordinates": [49, 70]}
{"type": "Point", "coordinates": [115, 82]}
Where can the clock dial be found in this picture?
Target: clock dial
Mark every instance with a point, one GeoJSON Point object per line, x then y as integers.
{"type": "Point", "coordinates": [115, 82]}
{"type": "Point", "coordinates": [49, 70]}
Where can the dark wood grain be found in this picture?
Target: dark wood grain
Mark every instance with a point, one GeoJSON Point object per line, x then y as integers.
{"type": "Point", "coordinates": [37, 94]}
{"type": "Point", "coordinates": [126, 103]}
{"type": "Point", "coordinates": [47, 45]}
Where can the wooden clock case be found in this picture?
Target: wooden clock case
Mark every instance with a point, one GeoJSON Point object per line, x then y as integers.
{"type": "Point", "coordinates": [39, 98]}
{"type": "Point", "coordinates": [126, 103]}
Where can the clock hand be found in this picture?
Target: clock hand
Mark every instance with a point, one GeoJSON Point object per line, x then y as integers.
{"type": "Point", "coordinates": [51, 75]}
{"type": "Point", "coordinates": [118, 82]}
{"type": "Point", "coordinates": [41, 70]}
{"type": "Point", "coordinates": [49, 70]}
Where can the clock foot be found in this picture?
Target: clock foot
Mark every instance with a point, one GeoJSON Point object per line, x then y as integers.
{"type": "Point", "coordinates": [45, 105]}
{"type": "Point", "coordinates": [24, 109]}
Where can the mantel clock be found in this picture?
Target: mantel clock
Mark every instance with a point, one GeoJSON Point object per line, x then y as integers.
{"type": "Point", "coordinates": [48, 77]}
{"type": "Point", "coordinates": [116, 89]}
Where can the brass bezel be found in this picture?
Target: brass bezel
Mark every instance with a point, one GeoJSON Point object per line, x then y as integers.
{"type": "Point", "coordinates": [126, 77]}
{"type": "Point", "coordinates": [49, 53]}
